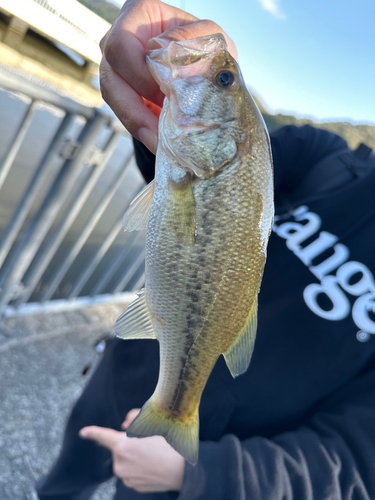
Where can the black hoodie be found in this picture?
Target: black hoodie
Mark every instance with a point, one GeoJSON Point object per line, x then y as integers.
{"type": "Point", "coordinates": [300, 423]}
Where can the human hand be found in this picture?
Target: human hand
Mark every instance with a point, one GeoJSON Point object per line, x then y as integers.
{"type": "Point", "coordinates": [125, 81]}
{"type": "Point", "coordinates": [145, 465]}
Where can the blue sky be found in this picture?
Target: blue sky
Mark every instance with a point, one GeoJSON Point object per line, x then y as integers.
{"type": "Point", "coordinates": [308, 58]}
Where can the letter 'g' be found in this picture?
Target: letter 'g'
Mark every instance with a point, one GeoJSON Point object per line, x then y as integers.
{"type": "Point", "coordinates": [361, 312]}
{"type": "Point", "coordinates": [329, 287]}
{"type": "Point", "coordinates": [346, 272]}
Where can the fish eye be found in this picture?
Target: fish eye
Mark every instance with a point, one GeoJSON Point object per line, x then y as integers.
{"type": "Point", "coordinates": [224, 79]}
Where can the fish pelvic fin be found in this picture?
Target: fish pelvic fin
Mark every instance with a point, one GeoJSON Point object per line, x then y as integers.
{"type": "Point", "coordinates": [135, 322]}
{"type": "Point", "coordinates": [183, 437]}
{"type": "Point", "coordinates": [238, 356]}
{"type": "Point", "coordinates": [137, 215]}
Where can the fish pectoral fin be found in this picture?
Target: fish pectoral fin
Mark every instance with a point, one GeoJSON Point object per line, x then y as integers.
{"type": "Point", "coordinates": [137, 215]}
{"type": "Point", "coordinates": [238, 356]}
{"type": "Point", "coordinates": [135, 322]}
{"type": "Point", "coordinates": [182, 436]}
{"type": "Point", "coordinates": [183, 211]}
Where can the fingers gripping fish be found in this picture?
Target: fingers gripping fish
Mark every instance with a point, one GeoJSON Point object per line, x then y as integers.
{"type": "Point", "coordinates": [208, 215]}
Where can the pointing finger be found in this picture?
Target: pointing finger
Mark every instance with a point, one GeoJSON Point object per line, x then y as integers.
{"type": "Point", "coordinates": [102, 435]}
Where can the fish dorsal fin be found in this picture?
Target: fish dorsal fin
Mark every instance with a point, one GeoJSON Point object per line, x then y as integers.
{"type": "Point", "coordinates": [135, 322]}
{"type": "Point", "coordinates": [239, 354]}
{"type": "Point", "coordinates": [137, 215]}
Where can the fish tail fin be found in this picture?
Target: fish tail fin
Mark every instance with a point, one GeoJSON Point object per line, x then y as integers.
{"type": "Point", "coordinates": [183, 437]}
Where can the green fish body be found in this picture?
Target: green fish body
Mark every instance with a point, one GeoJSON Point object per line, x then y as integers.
{"type": "Point", "coordinates": [208, 214]}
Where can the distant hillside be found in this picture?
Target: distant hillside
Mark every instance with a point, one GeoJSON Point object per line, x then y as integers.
{"type": "Point", "coordinates": [104, 9]}
{"type": "Point", "coordinates": [353, 134]}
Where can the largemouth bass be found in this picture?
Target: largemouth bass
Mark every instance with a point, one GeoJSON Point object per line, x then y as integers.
{"type": "Point", "coordinates": [209, 214]}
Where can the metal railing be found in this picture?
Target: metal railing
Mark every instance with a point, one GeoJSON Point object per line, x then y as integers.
{"type": "Point", "coordinates": [47, 255]}
{"type": "Point", "coordinates": [77, 17]}
{"type": "Point", "coordinates": [67, 22]}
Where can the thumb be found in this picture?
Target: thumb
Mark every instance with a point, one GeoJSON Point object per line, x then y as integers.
{"type": "Point", "coordinates": [188, 32]}
{"type": "Point", "coordinates": [130, 417]}
{"type": "Point", "coordinates": [102, 435]}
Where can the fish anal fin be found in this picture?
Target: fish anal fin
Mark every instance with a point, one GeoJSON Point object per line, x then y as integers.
{"type": "Point", "coordinates": [135, 322]}
{"type": "Point", "coordinates": [182, 436]}
{"type": "Point", "coordinates": [137, 215]}
{"type": "Point", "coordinates": [238, 356]}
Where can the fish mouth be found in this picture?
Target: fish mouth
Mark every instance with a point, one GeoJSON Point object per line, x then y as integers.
{"type": "Point", "coordinates": [173, 57]}
{"type": "Point", "coordinates": [186, 52]}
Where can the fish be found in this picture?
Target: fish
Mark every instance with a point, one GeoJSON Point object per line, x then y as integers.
{"type": "Point", "coordinates": [208, 214]}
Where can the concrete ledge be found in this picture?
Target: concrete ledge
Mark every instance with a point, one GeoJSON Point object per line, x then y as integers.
{"type": "Point", "coordinates": [41, 361]}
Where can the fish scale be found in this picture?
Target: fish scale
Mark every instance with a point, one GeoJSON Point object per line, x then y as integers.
{"type": "Point", "coordinates": [210, 216]}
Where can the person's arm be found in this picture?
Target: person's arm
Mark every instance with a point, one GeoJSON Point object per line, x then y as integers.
{"type": "Point", "coordinates": [332, 457]}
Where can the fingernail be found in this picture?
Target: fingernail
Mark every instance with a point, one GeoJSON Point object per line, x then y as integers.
{"type": "Point", "coordinates": [157, 43]}
{"type": "Point", "coordinates": [84, 433]}
{"type": "Point", "coordinates": [149, 139]}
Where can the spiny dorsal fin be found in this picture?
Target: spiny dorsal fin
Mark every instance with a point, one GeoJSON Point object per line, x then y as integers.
{"type": "Point", "coordinates": [239, 354]}
{"type": "Point", "coordinates": [137, 215]}
{"type": "Point", "coordinates": [135, 322]}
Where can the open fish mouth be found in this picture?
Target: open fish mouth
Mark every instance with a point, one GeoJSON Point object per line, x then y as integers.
{"type": "Point", "coordinates": [180, 57]}
{"type": "Point", "coordinates": [186, 52]}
